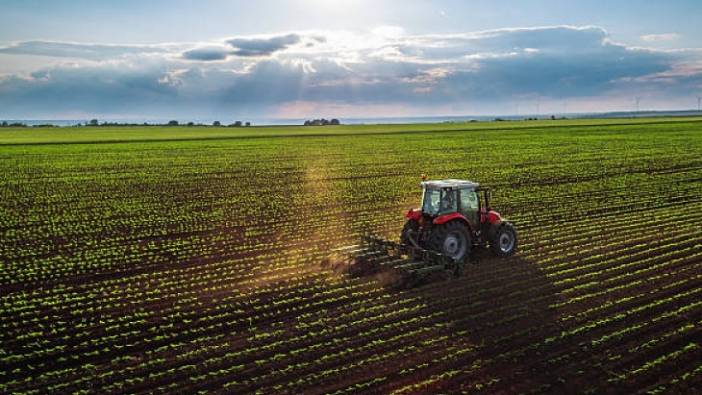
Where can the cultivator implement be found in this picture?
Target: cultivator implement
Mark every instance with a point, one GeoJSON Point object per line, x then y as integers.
{"type": "Point", "coordinates": [408, 262]}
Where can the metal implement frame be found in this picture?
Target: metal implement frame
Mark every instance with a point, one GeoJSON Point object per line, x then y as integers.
{"type": "Point", "coordinates": [422, 262]}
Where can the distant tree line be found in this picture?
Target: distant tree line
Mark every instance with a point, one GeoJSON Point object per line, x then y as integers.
{"type": "Point", "coordinates": [5, 124]}
{"type": "Point", "coordinates": [95, 122]}
{"type": "Point", "coordinates": [236, 124]}
{"type": "Point", "coordinates": [322, 122]}
{"type": "Point", "coordinates": [12, 125]}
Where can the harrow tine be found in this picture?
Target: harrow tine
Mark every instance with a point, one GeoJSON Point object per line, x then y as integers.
{"type": "Point", "coordinates": [394, 263]}
{"type": "Point", "coordinates": [348, 248]}
{"type": "Point", "coordinates": [410, 265]}
{"type": "Point", "coordinates": [428, 269]}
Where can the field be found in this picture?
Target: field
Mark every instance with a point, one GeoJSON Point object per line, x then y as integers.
{"type": "Point", "coordinates": [183, 260]}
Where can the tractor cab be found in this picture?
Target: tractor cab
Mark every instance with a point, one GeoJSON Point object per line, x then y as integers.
{"type": "Point", "coordinates": [454, 216]}
{"type": "Point", "coordinates": [447, 197]}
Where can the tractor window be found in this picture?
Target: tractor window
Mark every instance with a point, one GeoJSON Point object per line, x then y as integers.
{"type": "Point", "coordinates": [439, 201]}
{"type": "Point", "coordinates": [430, 203]}
{"type": "Point", "coordinates": [449, 203]}
{"type": "Point", "coordinates": [469, 200]}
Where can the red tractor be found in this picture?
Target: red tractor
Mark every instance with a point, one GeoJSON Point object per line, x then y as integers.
{"type": "Point", "coordinates": [455, 217]}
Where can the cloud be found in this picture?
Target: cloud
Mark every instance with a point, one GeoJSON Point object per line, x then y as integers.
{"type": "Point", "coordinates": [474, 72]}
{"type": "Point", "coordinates": [250, 47]}
{"type": "Point", "coordinates": [549, 39]}
{"type": "Point", "coordinates": [660, 37]}
{"type": "Point", "coordinates": [78, 50]}
{"type": "Point", "coordinates": [207, 53]}
{"type": "Point", "coordinates": [96, 89]}
{"type": "Point", "coordinates": [262, 46]}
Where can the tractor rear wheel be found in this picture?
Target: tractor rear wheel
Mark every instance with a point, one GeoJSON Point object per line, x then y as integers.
{"type": "Point", "coordinates": [452, 239]}
{"type": "Point", "coordinates": [504, 241]}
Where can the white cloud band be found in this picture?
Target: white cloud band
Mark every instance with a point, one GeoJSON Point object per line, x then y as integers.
{"type": "Point", "coordinates": [383, 67]}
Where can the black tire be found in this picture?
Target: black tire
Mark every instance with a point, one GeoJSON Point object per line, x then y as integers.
{"type": "Point", "coordinates": [411, 226]}
{"type": "Point", "coordinates": [441, 238]}
{"type": "Point", "coordinates": [504, 240]}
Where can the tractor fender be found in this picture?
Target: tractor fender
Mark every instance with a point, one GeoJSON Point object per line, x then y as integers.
{"type": "Point", "coordinates": [414, 213]}
{"type": "Point", "coordinates": [450, 217]}
{"type": "Point", "coordinates": [492, 217]}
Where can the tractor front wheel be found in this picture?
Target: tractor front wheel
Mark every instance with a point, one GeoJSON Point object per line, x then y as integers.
{"type": "Point", "coordinates": [504, 241]}
{"type": "Point", "coordinates": [452, 239]}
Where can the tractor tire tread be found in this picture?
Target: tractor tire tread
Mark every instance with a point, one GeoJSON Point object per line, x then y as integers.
{"type": "Point", "coordinates": [439, 233]}
{"type": "Point", "coordinates": [494, 241]}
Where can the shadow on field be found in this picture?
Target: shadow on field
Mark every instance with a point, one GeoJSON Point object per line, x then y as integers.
{"type": "Point", "coordinates": [498, 307]}
{"type": "Point", "coordinates": [479, 325]}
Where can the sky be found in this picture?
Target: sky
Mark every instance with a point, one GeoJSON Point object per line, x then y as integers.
{"type": "Point", "coordinates": [267, 59]}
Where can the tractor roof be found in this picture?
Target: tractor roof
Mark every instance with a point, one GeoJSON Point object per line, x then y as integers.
{"type": "Point", "coordinates": [450, 183]}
